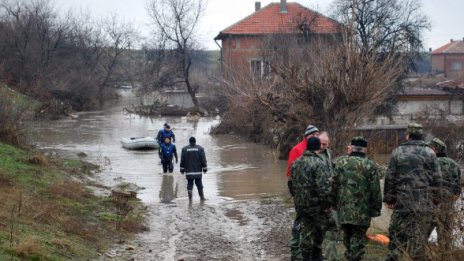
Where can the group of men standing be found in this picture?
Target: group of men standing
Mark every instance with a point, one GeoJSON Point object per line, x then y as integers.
{"type": "Point", "coordinates": [343, 194]}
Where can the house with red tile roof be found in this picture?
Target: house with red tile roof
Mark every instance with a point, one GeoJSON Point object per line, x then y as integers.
{"type": "Point", "coordinates": [242, 43]}
{"type": "Point", "coordinates": [449, 59]}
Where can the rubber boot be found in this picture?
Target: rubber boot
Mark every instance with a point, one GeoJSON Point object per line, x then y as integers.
{"type": "Point", "coordinates": [202, 196]}
{"type": "Point", "coordinates": [190, 195]}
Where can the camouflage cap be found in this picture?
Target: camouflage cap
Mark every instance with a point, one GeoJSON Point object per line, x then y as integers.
{"type": "Point", "coordinates": [438, 143]}
{"type": "Point", "coordinates": [359, 141]}
{"type": "Point", "coordinates": [415, 128]}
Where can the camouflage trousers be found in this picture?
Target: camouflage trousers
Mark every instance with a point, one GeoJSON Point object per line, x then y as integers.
{"type": "Point", "coordinates": [313, 229]}
{"type": "Point", "coordinates": [295, 241]}
{"type": "Point", "coordinates": [331, 239]}
{"type": "Point", "coordinates": [408, 234]}
{"type": "Point", "coordinates": [355, 241]}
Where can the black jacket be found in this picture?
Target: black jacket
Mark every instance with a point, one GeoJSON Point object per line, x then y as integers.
{"type": "Point", "coordinates": [193, 161]}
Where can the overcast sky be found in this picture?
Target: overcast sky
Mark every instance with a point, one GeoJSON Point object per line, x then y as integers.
{"type": "Point", "coordinates": [445, 15]}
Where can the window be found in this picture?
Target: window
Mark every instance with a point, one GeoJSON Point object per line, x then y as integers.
{"type": "Point", "coordinates": [260, 69]}
{"type": "Point", "coordinates": [456, 66]}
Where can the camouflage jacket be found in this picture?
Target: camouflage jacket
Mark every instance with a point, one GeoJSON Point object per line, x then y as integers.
{"type": "Point", "coordinates": [327, 157]}
{"type": "Point", "coordinates": [356, 189]}
{"type": "Point", "coordinates": [413, 178]}
{"type": "Point", "coordinates": [451, 174]}
{"type": "Point", "coordinates": [310, 177]}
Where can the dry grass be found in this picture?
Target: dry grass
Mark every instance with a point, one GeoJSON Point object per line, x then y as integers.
{"type": "Point", "coordinates": [39, 159]}
{"type": "Point", "coordinates": [134, 225]}
{"type": "Point", "coordinates": [5, 181]}
{"type": "Point", "coordinates": [45, 213]}
{"type": "Point", "coordinates": [71, 190]}
{"type": "Point", "coordinates": [64, 217]}
{"type": "Point", "coordinates": [27, 248]}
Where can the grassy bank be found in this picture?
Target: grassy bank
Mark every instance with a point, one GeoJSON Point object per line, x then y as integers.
{"type": "Point", "coordinates": [47, 212]}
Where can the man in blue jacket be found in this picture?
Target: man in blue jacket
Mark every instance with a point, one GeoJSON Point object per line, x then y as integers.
{"type": "Point", "coordinates": [193, 165]}
{"type": "Point", "coordinates": [166, 153]}
{"type": "Point", "coordinates": [165, 132]}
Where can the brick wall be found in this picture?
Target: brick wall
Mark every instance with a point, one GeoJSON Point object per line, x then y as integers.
{"type": "Point", "coordinates": [238, 51]}
{"type": "Point", "coordinates": [438, 63]}
{"type": "Point", "coordinates": [450, 59]}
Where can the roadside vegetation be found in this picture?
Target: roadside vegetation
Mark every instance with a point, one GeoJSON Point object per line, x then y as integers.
{"type": "Point", "coordinates": [48, 213]}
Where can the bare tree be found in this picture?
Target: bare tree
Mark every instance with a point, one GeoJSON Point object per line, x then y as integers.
{"type": "Point", "coordinates": [384, 26]}
{"type": "Point", "coordinates": [334, 82]}
{"type": "Point", "coordinates": [177, 22]}
{"type": "Point", "coordinates": [45, 54]}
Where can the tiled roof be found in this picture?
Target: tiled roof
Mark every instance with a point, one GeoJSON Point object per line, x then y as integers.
{"type": "Point", "coordinates": [451, 84]}
{"type": "Point", "coordinates": [451, 47]}
{"type": "Point", "coordinates": [269, 20]}
{"type": "Point", "coordinates": [415, 91]}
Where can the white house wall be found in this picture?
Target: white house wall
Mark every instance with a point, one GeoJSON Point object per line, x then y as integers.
{"type": "Point", "coordinates": [431, 106]}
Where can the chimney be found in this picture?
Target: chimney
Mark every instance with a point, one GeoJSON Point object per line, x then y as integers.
{"type": "Point", "coordinates": [283, 6]}
{"type": "Point", "coordinates": [257, 6]}
{"type": "Point", "coordinates": [430, 50]}
{"type": "Point", "coordinates": [452, 40]}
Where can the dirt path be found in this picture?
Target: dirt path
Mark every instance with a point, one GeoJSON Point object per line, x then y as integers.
{"type": "Point", "coordinates": [229, 230]}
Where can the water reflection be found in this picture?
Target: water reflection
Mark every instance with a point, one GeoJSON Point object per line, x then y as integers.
{"type": "Point", "coordinates": [169, 189]}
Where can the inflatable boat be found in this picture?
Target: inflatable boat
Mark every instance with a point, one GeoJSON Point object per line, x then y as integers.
{"type": "Point", "coordinates": [140, 143]}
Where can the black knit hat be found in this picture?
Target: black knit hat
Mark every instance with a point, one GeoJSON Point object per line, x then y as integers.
{"type": "Point", "coordinates": [359, 142]}
{"type": "Point", "coordinates": [192, 140]}
{"type": "Point", "coordinates": [314, 144]}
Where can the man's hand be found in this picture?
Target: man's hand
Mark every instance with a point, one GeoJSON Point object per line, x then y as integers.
{"type": "Point", "coordinates": [327, 210]}
{"type": "Point", "coordinates": [205, 170]}
{"type": "Point", "coordinates": [182, 171]}
{"type": "Point", "coordinates": [390, 205]}
{"type": "Point", "coordinates": [177, 161]}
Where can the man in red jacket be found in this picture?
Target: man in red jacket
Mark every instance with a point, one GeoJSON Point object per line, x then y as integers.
{"type": "Point", "coordinates": [299, 149]}
{"type": "Point", "coordinates": [295, 153]}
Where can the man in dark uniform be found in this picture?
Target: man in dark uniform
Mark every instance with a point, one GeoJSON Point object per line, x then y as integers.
{"type": "Point", "coordinates": [193, 165]}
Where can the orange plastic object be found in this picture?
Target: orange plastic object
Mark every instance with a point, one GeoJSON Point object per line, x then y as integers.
{"type": "Point", "coordinates": [379, 239]}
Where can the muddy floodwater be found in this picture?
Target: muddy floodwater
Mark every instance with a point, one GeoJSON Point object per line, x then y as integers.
{"type": "Point", "coordinates": [245, 215]}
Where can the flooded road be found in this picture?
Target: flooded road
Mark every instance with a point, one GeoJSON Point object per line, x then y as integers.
{"type": "Point", "coordinates": [236, 222]}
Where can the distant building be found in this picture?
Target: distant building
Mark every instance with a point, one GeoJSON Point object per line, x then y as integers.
{"type": "Point", "coordinates": [242, 43]}
{"type": "Point", "coordinates": [413, 101]}
{"type": "Point", "coordinates": [449, 59]}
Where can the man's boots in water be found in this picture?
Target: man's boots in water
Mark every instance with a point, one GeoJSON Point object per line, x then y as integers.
{"type": "Point", "coordinates": [190, 195]}
{"type": "Point", "coordinates": [202, 196]}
